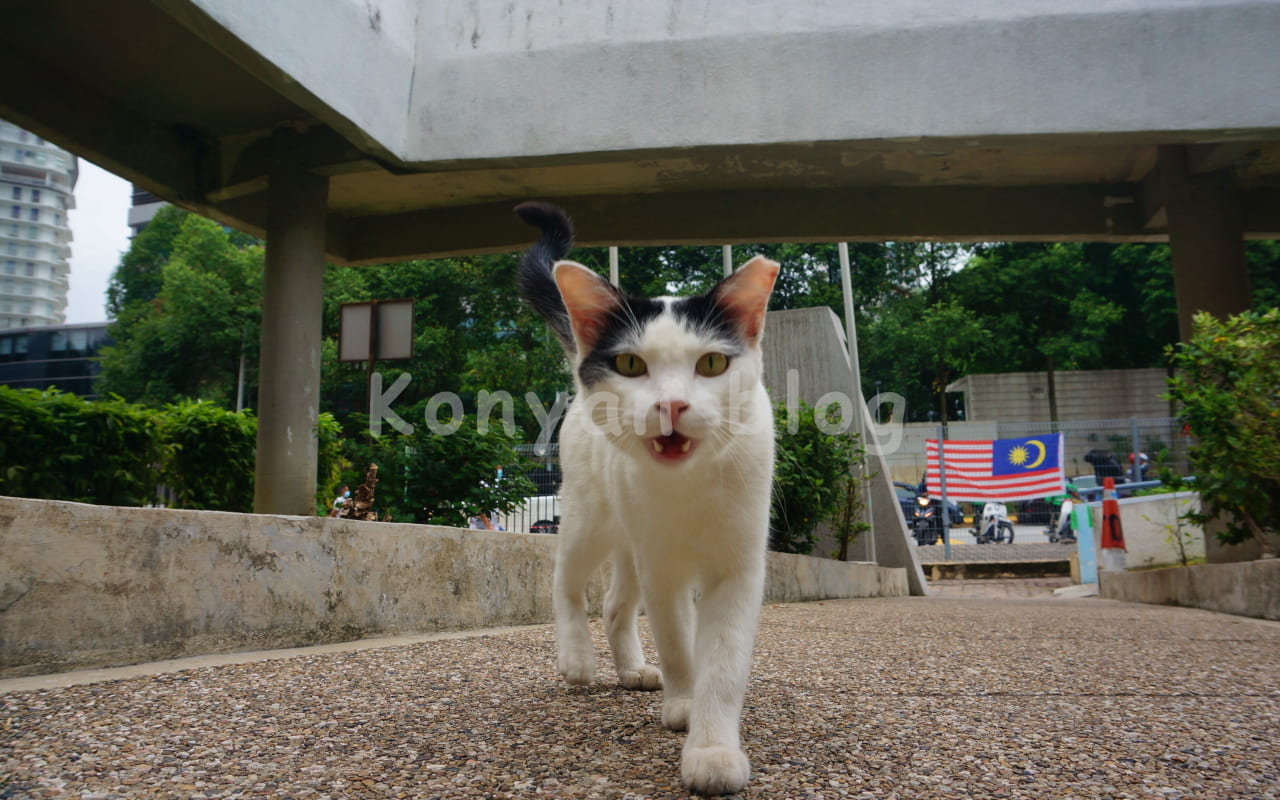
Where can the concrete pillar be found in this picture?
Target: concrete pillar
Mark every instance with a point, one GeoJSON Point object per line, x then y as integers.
{"type": "Point", "coordinates": [292, 305]}
{"type": "Point", "coordinates": [1206, 239]}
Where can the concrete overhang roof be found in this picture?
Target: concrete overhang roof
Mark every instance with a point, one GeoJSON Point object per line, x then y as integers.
{"type": "Point", "coordinates": [666, 122]}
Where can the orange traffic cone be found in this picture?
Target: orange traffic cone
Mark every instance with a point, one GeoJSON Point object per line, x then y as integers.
{"type": "Point", "coordinates": [1112, 539]}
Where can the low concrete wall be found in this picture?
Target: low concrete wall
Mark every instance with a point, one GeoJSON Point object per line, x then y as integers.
{"type": "Point", "coordinates": [86, 586]}
{"type": "Point", "coordinates": [1151, 528]}
{"type": "Point", "coordinates": [795, 578]}
{"type": "Point", "coordinates": [1250, 589]}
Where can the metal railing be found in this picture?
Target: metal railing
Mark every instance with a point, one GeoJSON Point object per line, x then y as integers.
{"type": "Point", "coordinates": [539, 513]}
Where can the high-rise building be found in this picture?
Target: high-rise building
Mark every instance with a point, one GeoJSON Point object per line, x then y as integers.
{"type": "Point", "coordinates": [144, 207]}
{"type": "Point", "coordinates": [36, 183]}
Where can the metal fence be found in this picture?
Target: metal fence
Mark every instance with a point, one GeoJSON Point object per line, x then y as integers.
{"type": "Point", "coordinates": [1093, 450]}
{"type": "Point", "coordinates": [1030, 544]}
{"type": "Point", "coordinates": [1098, 448]}
{"type": "Point", "coordinates": [539, 513]}
{"type": "Point", "coordinates": [1133, 452]}
{"type": "Point", "coordinates": [1103, 448]}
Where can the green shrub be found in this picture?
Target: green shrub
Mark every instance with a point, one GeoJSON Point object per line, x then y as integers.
{"type": "Point", "coordinates": [441, 479]}
{"type": "Point", "coordinates": [812, 481]}
{"type": "Point", "coordinates": [58, 446]}
{"type": "Point", "coordinates": [211, 456]}
{"type": "Point", "coordinates": [330, 460]}
{"type": "Point", "coordinates": [1228, 387]}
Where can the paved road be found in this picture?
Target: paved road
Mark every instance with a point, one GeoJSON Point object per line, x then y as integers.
{"type": "Point", "coordinates": [977, 692]}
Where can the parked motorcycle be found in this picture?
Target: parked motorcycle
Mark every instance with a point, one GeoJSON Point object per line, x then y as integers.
{"type": "Point", "coordinates": [926, 522]}
{"type": "Point", "coordinates": [1060, 529]}
{"type": "Point", "coordinates": [994, 525]}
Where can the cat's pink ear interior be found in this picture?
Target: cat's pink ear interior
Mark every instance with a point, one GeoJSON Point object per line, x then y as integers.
{"type": "Point", "coordinates": [745, 295]}
{"type": "Point", "coordinates": [589, 300]}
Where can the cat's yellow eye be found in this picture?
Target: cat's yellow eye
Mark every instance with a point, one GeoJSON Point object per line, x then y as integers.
{"type": "Point", "coordinates": [712, 364]}
{"type": "Point", "coordinates": [630, 365]}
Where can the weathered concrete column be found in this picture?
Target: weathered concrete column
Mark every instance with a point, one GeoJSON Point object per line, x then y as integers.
{"type": "Point", "coordinates": [292, 305]}
{"type": "Point", "coordinates": [1206, 239]}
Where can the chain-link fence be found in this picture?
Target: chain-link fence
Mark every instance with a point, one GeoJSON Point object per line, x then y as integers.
{"type": "Point", "coordinates": [1134, 449]}
{"type": "Point", "coordinates": [1092, 450]}
{"type": "Point", "coordinates": [1134, 452]}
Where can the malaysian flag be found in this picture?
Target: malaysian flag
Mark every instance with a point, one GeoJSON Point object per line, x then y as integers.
{"type": "Point", "coordinates": [1004, 469]}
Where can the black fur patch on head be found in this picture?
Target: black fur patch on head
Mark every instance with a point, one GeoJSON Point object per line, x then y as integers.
{"type": "Point", "coordinates": [534, 274]}
{"type": "Point", "coordinates": [620, 326]}
{"type": "Point", "coordinates": [701, 313]}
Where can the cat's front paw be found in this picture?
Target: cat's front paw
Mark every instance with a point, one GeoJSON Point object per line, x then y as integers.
{"type": "Point", "coordinates": [675, 713]}
{"type": "Point", "coordinates": [644, 678]}
{"type": "Point", "coordinates": [578, 669]}
{"type": "Point", "coordinates": [715, 770]}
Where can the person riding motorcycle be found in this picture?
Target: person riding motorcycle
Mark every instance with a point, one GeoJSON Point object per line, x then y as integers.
{"type": "Point", "coordinates": [1063, 502]}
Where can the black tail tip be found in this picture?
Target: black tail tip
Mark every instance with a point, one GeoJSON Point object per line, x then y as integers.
{"type": "Point", "coordinates": [543, 216]}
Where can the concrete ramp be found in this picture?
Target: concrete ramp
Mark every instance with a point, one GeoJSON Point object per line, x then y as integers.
{"type": "Point", "coordinates": [805, 360]}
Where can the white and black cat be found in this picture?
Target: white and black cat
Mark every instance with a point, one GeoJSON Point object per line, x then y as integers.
{"type": "Point", "coordinates": [667, 453]}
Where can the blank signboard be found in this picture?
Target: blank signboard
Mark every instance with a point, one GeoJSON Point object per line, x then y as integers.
{"type": "Point", "coordinates": [394, 333]}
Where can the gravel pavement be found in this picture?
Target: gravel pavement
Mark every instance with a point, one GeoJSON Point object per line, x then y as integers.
{"type": "Point", "coordinates": [990, 689]}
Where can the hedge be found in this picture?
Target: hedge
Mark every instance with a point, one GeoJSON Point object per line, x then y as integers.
{"type": "Point", "coordinates": [59, 446]}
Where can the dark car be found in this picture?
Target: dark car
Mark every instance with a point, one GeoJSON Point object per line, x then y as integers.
{"type": "Point", "coordinates": [1036, 512]}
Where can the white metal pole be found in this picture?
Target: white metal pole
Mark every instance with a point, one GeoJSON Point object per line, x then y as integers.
{"type": "Point", "coordinates": [859, 403]}
{"type": "Point", "coordinates": [942, 485]}
{"type": "Point", "coordinates": [727, 253]}
{"type": "Point", "coordinates": [850, 324]}
{"type": "Point", "coordinates": [240, 381]}
{"type": "Point", "coordinates": [613, 265]}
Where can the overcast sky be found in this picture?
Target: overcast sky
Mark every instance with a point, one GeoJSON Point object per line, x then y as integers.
{"type": "Point", "coordinates": [100, 235]}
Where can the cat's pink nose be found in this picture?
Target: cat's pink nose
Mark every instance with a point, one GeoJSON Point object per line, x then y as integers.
{"type": "Point", "coordinates": [669, 413]}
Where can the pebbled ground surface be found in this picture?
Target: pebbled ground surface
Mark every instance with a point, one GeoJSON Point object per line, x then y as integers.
{"type": "Point", "coordinates": [988, 689]}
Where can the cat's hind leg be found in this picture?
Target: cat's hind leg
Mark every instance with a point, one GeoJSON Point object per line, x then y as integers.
{"type": "Point", "coordinates": [621, 608]}
{"type": "Point", "coordinates": [578, 555]}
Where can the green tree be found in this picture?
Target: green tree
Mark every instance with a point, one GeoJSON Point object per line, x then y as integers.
{"type": "Point", "coordinates": [190, 340]}
{"type": "Point", "coordinates": [1228, 388]}
{"type": "Point", "coordinates": [1264, 273]}
{"type": "Point", "coordinates": [1138, 278]}
{"type": "Point", "coordinates": [810, 275]}
{"type": "Point", "coordinates": [137, 279]}
{"type": "Point", "coordinates": [472, 335]}
{"type": "Point", "coordinates": [1044, 310]}
{"type": "Point", "coordinates": [917, 349]}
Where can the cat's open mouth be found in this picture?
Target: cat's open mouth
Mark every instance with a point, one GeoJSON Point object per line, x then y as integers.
{"type": "Point", "coordinates": [671, 447]}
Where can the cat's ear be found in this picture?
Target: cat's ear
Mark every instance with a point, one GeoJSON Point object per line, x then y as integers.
{"type": "Point", "coordinates": [588, 298]}
{"type": "Point", "coordinates": [744, 295]}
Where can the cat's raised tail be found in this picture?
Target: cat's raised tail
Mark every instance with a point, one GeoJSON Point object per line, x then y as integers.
{"type": "Point", "coordinates": [534, 276]}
